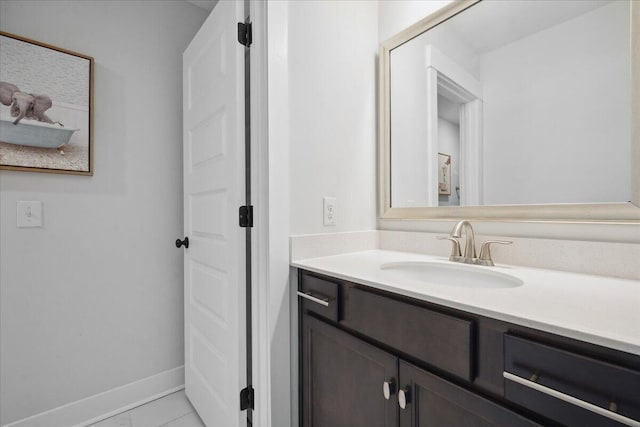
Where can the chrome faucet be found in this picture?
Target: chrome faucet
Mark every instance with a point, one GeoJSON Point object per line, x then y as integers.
{"type": "Point", "coordinates": [469, 255]}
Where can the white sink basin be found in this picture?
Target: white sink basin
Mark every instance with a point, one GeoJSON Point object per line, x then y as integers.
{"type": "Point", "coordinates": [452, 274]}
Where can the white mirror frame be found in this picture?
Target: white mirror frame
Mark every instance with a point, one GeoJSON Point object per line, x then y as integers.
{"type": "Point", "coordinates": [628, 213]}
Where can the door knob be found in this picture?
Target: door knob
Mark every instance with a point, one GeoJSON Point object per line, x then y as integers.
{"type": "Point", "coordinates": [388, 388]}
{"type": "Point", "coordinates": [184, 243]}
{"type": "Point", "coordinates": [403, 397]}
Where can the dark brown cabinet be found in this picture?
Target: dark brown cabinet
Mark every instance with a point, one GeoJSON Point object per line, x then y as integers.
{"type": "Point", "coordinates": [343, 379]}
{"type": "Point", "coordinates": [349, 382]}
{"type": "Point", "coordinates": [571, 388]}
{"type": "Point", "coordinates": [371, 358]}
{"type": "Point", "coordinates": [433, 401]}
{"type": "Point", "coordinates": [438, 339]}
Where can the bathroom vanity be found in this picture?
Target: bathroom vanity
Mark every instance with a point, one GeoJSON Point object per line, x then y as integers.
{"type": "Point", "coordinates": [375, 350]}
{"type": "Point", "coordinates": [400, 339]}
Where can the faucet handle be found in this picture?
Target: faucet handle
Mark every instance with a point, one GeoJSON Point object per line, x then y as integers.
{"type": "Point", "coordinates": [456, 254]}
{"type": "Point", "coordinates": [485, 251]}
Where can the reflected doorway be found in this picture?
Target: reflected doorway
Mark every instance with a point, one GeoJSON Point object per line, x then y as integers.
{"type": "Point", "coordinates": [448, 151]}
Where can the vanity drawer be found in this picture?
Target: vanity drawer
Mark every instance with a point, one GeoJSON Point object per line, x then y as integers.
{"type": "Point", "coordinates": [437, 339]}
{"type": "Point", "coordinates": [319, 296]}
{"type": "Point", "coordinates": [570, 388]}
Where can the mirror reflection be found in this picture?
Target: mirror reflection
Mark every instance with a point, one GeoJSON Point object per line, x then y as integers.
{"type": "Point", "coordinates": [510, 103]}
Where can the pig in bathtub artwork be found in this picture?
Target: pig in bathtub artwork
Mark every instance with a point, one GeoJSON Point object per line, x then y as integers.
{"type": "Point", "coordinates": [45, 107]}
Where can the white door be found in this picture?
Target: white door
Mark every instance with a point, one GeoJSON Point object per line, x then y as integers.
{"type": "Point", "coordinates": [214, 263]}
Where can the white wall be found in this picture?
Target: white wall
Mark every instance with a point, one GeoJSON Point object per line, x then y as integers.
{"type": "Point", "coordinates": [322, 142]}
{"type": "Point", "coordinates": [537, 144]}
{"type": "Point", "coordinates": [332, 101]}
{"type": "Point", "coordinates": [93, 300]}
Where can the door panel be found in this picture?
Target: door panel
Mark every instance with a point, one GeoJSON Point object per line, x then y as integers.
{"type": "Point", "coordinates": [342, 379]}
{"type": "Point", "coordinates": [214, 267]}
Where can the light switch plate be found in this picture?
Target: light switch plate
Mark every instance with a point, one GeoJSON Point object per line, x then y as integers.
{"type": "Point", "coordinates": [29, 213]}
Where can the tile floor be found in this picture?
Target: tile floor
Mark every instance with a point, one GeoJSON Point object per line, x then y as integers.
{"type": "Point", "coordinates": [173, 410]}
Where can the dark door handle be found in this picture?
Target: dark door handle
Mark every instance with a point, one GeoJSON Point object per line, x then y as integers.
{"type": "Point", "coordinates": [184, 243]}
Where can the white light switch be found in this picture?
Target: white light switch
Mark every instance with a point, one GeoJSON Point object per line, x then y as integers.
{"type": "Point", "coordinates": [29, 213]}
{"type": "Point", "coordinates": [329, 209]}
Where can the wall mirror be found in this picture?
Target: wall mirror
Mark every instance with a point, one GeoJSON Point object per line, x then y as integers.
{"type": "Point", "coordinates": [517, 110]}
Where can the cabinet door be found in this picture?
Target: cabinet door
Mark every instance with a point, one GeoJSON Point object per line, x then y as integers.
{"type": "Point", "coordinates": [434, 402]}
{"type": "Point", "coordinates": [343, 379]}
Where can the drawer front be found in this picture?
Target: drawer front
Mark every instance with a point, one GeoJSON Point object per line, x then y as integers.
{"type": "Point", "coordinates": [568, 387]}
{"type": "Point", "coordinates": [440, 340]}
{"type": "Point", "coordinates": [319, 296]}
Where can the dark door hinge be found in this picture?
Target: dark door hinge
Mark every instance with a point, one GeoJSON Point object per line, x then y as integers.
{"type": "Point", "coordinates": [246, 216]}
{"type": "Point", "coordinates": [246, 398]}
{"type": "Point", "coordinates": [245, 36]}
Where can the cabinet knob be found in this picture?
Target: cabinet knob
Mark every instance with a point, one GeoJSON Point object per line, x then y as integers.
{"type": "Point", "coordinates": [403, 397]}
{"type": "Point", "coordinates": [388, 388]}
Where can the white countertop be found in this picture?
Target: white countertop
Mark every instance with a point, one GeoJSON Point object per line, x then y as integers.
{"type": "Point", "coordinates": [596, 309]}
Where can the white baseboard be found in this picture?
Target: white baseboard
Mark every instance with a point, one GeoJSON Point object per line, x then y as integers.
{"type": "Point", "coordinates": [103, 405]}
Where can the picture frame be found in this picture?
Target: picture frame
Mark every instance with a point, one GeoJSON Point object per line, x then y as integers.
{"type": "Point", "coordinates": [46, 107]}
{"type": "Point", "coordinates": [444, 174]}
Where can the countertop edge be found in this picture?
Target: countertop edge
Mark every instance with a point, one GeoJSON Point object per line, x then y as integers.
{"type": "Point", "coordinates": [521, 321]}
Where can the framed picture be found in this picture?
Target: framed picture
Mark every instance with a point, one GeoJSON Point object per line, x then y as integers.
{"type": "Point", "coordinates": [444, 174]}
{"type": "Point", "coordinates": [46, 117]}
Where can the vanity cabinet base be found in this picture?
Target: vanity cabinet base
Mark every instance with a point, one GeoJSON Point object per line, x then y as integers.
{"type": "Point", "coordinates": [374, 358]}
{"type": "Point", "coordinates": [343, 385]}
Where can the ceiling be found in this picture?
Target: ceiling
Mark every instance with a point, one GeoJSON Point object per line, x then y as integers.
{"type": "Point", "coordinates": [516, 19]}
{"type": "Point", "coordinates": [203, 4]}
{"type": "Point", "coordinates": [491, 24]}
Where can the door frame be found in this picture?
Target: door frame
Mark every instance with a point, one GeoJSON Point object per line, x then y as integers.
{"type": "Point", "coordinates": [261, 377]}
{"type": "Point", "coordinates": [445, 76]}
{"type": "Point", "coordinates": [274, 311]}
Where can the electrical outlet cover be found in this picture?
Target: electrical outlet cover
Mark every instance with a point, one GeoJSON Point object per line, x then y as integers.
{"type": "Point", "coordinates": [329, 210]}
